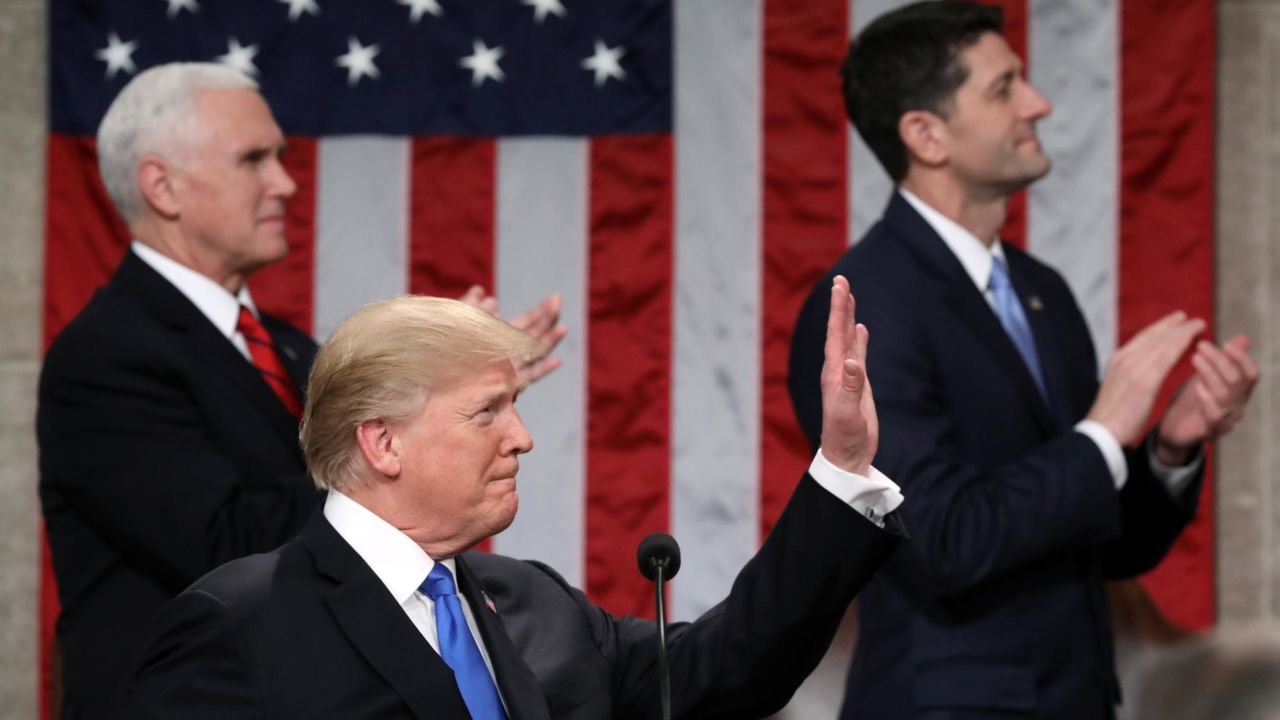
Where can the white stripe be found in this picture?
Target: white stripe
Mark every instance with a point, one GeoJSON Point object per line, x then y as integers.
{"type": "Point", "coordinates": [1072, 213]}
{"type": "Point", "coordinates": [716, 365]}
{"type": "Point", "coordinates": [362, 225]}
{"type": "Point", "coordinates": [541, 249]}
{"type": "Point", "coordinates": [869, 185]}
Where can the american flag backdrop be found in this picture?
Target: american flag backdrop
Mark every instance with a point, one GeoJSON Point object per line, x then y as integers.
{"type": "Point", "coordinates": [682, 172]}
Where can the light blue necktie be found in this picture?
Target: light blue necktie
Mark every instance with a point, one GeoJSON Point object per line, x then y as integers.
{"type": "Point", "coordinates": [1014, 320]}
{"type": "Point", "coordinates": [459, 649]}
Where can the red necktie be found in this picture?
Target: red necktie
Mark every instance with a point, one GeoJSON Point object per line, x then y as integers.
{"type": "Point", "coordinates": [267, 361]}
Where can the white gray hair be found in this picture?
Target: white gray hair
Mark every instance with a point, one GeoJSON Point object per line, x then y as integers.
{"type": "Point", "coordinates": [155, 114]}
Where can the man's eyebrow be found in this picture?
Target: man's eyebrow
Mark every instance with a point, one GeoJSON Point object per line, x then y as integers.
{"type": "Point", "coordinates": [488, 398]}
{"type": "Point", "coordinates": [1005, 78]}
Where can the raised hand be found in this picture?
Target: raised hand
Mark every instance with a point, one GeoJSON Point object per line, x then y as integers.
{"type": "Point", "coordinates": [1138, 370]}
{"type": "Point", "coordinates": [542, 321]}
{"type": "Point", "coordinates": [1211, 402]}
{"type": "Point", "coordinates": [850, 428]}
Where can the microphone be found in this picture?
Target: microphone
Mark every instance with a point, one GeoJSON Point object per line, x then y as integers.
{"type": "Point", "coordinates": [659, 559]}
{"type": "Point", "coordinates": [659, 550]}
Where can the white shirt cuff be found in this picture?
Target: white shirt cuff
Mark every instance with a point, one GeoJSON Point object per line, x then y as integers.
{"type": "Point", "coordinates": [872, 497]}
{"type": "Point", "coordinates": [1175, 479]}
{"type": "Point", "coordinates": [1110, 448]}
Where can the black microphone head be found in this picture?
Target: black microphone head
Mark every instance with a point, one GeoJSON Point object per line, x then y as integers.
{"type": "Point", "coordinates": [658, 549]}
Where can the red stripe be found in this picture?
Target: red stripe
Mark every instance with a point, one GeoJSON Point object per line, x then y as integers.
{"type": "Point", "coordinates": [1014, 231]}
{"type": "Point", "coordinates": [628, 363]}
{"type": "Point", "coordinates": [451, 218]}
{"type": "Point", "coordinates": [287, 289]}
{"type": "Point", "coordinates": [1166, 228]}
{"type": "Point", "coordinates": [805, 205]}
{"type": "Point", "coordinates": [84, 241]}
{"type": "Point", "coordinates": [452, 184]}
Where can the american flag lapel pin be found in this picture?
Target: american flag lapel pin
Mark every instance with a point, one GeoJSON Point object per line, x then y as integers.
{"type": "Point", "coordinates": [489, 602]}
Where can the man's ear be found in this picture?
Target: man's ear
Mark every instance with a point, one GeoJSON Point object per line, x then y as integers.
{"type": "Point", "coordinates": [380, 447]}
{"type": "Point", "coordinates": [924, 136]}
{"type": "Point", "coordinates": [155, 181]}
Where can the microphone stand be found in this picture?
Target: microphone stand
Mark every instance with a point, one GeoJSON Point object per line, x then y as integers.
{"type": "Point", "coordinates": [664, 670]}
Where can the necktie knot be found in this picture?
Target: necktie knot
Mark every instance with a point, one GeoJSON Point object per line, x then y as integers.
{"type": "Point", "coordinates": [999, 279]}
{"type": "Point", "coordinates": [250, 328]}
{"type": "Point", "coordinates": [262, 353]}
{"type": "Point", "coordinates": [1009, 310]}
{"type": "Point", "coordinates": [439, 583]}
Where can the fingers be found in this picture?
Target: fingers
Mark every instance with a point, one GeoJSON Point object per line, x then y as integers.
{"type": "Point", "coordinates": [861, 338]}
{"type": "Point", "coordinates": [1237, 348]}
{"type": "Point", "coordinates": [538, 369]}
{"type": "Point", "coordinates": [473, 295]}
{"type": "Point", "coordinates": [1228, 374]}
{"type": "Point", "coordinates": [839, 317]}
{"type": "Point", "coordinates": [540, 318]}
{"type": "Point", "coordinates": [1218, 372]}
{"type": "Point", "coordinates": [1153, 352]}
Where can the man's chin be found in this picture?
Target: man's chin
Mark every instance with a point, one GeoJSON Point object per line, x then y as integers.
{"type": "Point", "coordinates": [1029, 174]}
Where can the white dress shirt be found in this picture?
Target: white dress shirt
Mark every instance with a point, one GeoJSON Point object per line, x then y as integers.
{"type": "Point", "coordinates": [976, 259]}
{"type": "Point", "coordinates": [400, 564]}
{"type": "Point", "coordinates": [211, 299]}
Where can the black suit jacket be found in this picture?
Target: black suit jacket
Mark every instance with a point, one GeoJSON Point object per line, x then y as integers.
{"type": "Point", "coordinates": [163, 454]}
{"type": "Point", "coordinates": [308, 631]}
{"type": "Point", "coordinates": [998, 605]}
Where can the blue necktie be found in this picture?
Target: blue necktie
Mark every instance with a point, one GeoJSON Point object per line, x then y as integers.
{"type": "Point", "coordinates": [1014, 320]}
{"type": "Point", "coordinates": [459, 649]}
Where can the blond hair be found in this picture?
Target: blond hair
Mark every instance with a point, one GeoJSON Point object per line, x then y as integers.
{"type": "Point", "coordinates": [383, 361]}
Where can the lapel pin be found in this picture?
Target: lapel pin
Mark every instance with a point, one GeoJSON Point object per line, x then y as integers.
{"type": "Point", "coordinates": [294, 356]}
{"type": "Point", "coordinates": [1034, 303]}
{"type": "Point", "coordinates": [489, 602]}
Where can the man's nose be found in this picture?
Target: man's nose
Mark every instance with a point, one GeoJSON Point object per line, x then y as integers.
{"type": "Point", "coordinates": [282, 184]}
{"type": "Point", "coordinates": [519, 439]}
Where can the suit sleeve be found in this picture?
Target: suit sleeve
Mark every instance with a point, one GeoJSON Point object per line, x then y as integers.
{"type": "Point", "coordinates": [198, 667]}
{"type": "Point", "coordinates": [968, 525]}
{"type": "Point", "coordinates": [1152, 518]}
{"type": "Point", "coordinates": [747, 656]}
{"type": "Point", "coordinates": [126, 449]}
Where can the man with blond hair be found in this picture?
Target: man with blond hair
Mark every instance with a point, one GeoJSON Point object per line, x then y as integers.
{"type": "Point", "coordinates": [379, 609]}
{"type": "Point", "coordinates": [168, 408]}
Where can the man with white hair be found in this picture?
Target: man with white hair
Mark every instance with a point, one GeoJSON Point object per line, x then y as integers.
{"type": "Point", "coordinates": [377, 610]}
{"type": "Point", "coordinates": [169, 407]}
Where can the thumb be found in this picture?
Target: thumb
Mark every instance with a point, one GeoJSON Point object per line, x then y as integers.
{"type": "Point", "coordinates": [853, 378]}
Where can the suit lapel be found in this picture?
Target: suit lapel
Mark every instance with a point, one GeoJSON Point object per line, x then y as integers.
{"type": "Point", "coordinates": [379, 629]}
{"type": "Point", "coordinates": [966, 303]}
{"type": "Point", "coordinates": [520, 689]}
{"type": "Point", "coordinates": [297, 362]}
{"type": "Point", "coordinates": [205, 343]}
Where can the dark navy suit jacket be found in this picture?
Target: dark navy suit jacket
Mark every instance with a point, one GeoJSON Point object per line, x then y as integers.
{"type": "Point", "coordinates": [163, 454]}
{"type": "Point", "coordinates": [997, 607]}
{"type": "Point", "coordinates": [308, 631]}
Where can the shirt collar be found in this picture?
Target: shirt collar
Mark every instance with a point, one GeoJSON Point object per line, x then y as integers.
{"type": "Point", "coordinates": [211, 299]}
{"type": "Point", "coordinates": [396, 559]}
{"type": "Point", "coordinates": [973, 255]}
